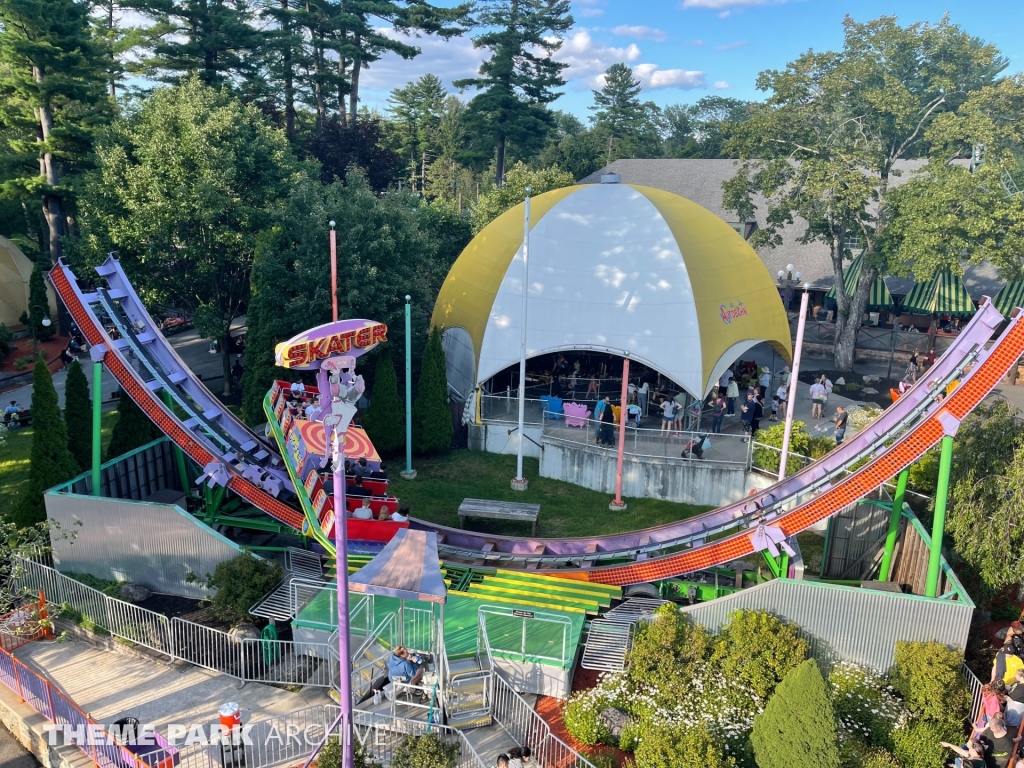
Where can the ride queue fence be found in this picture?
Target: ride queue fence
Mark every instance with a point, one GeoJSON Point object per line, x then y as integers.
{"type": "Point", "coordinates": [249, 659]}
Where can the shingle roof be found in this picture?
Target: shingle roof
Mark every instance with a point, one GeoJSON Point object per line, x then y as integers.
{"type": "Point", "coordinates": [701, 181]}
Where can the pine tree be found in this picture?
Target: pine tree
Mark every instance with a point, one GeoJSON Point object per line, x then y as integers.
{"type": "Point", "coordinates": [78, 415]}
{"type": "Point", "coordinates": [431, 418]}
{"type": "Point", "coordinates": [384, 420]}
{"type": "Point", "coordinates": [798, 726]}
{"type": "Point", "coordinates": [132, 430]}
{"type": "Point", "coordinates": [53, 80]}
{"type": "Point", "coordinates": [51, 462]}
{"type": "Point", "coordinates": [519, 79]}
{"type": "Point", "coordinates": [39, 303]}
{"type": "Point", "coordinates": [627, 124]}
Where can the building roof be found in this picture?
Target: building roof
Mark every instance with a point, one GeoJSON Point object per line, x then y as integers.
{"type": "Point", "coordinates": [701, 181]}
{"type": "Point", "coordinates": [617, 268]}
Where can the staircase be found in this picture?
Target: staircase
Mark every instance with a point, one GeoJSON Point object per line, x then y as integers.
{"type": "Point", "coordinates": [468, 695]}
{"type": "Point", "coordinates": [610, 637]}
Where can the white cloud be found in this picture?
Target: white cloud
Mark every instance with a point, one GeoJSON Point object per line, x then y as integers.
{"type": "Point", "coordinates": [590, 12]}
{"type": "Point", "coordinates": [697, 43]}
{"type": "Point", "coordinates": [449, 60]}
{"type": "Point", "coordinates": [721, 85]}
{"type": "Point", "coordinates": [588, 58]}
{"type": "Point", "coordinates": [725, 14]}
{"type": "Point", "coordinates": [588, 9]}
{"type": "Point", "coordinates": [731, 46]}
{"type": "Point", "coordinates": [640, 32]}
{"type": "Point", "coordinates": [651, 77]}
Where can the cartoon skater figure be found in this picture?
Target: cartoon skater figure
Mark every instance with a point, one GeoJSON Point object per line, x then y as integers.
{"type": "Point", "coordinates": [337, 378]}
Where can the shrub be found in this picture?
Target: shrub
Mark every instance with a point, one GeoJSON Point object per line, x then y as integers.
{"type": "Point", "coordinates": [820, 446]}
{"type": "Point", "coordinates": [106, 586]}
{"type": "Point", "coordinates": [854, 753]}
{"type": "Point", "coordinates": [865, 705]}
{"type": "Point", "coordinates": [799, 444]}
{"type": "Point", "coordinates": [758, 649]}
{"type": "Point", "coordinates": [39, 301]}
{"type": "Point", "coordinates": [22, 363]}
{"type": "Point", "coordinates": [861, 417]}
{"type": "Point", "coordinates": [330, 756]}
{"type": "Point", "coordinates": [797, 726]}
{"type": "Point", "coordinates": [384, 420]}
{"type": "Point", "coordinates": [132, 430]}
{"type": "Point", "coordinates": [927, 676]}
{"type": "Point", "coordinates": [580, 717]}
{"type": "Point", "coordinates": [677, 747]}
{"type": "Point", "coordinates": [431, 417]}
{"type": "Point", "coordinates": [917, 745]}
{"type": "Point", "coordinates": [5, 340]}
{"type": "Point", "coordinates": [240, 583]}
{"type": "Point", "coordinates": [427, 751]}
{"type": "Point", "coordinates": [666, 651]}
{"type": "Point", "coordinates": [78, 415]}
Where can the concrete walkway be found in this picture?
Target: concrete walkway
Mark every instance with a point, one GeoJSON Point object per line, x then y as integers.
{"type": "Point", "coordinates": [109, 686]}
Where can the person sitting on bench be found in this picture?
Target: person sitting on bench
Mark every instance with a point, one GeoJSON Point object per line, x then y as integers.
{"type": "Point", "coordinates": [403, 667]}
{"type": "Point", "coordinates": [12, 413]}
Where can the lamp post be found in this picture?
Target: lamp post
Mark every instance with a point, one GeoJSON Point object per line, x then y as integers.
{"type": "Point", "coordinates": [790, 281]}
{"type": "Point", "coordinates": [519, 483]}
{"type": "Point", "coordinates": [46, 322]}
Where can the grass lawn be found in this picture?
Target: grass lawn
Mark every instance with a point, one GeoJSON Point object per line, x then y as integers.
{"type": "Point", "coordinates": [14, 460]}
{"type": "Point", "coordinates": [566, 510]}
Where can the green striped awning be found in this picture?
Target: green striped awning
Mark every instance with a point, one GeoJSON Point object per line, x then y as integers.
{"type": "Point", "coordinates": [944, 294]}
{"type": "Point", "coordinates": [1011, 296]}
{"type": "Point", "coordinates": [879, 297]}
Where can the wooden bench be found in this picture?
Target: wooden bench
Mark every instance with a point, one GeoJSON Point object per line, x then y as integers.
{"type": "Point", "coordinates": [500, 510]}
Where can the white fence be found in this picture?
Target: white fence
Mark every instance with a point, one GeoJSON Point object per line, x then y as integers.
{"type": "Point", "coordinates": [380, 734]}
{"type": "Point", "coordinates": [249, 659]}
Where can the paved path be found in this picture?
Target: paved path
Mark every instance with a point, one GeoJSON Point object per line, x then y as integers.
{"type": "Point", "coordinates": [12, 754]}
{"type": "Point", "coordinates": [109, 686]}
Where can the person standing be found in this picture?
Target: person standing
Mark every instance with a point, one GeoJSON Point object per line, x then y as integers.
{"type": "Point", "coordinates": [779, 401]}
{"type": "Point", "coordinates": [717, 414]}
{"type": "Point", "coordinates": [641, 397]}
{"type": "Point", "coordinates": [606, 435]}
{"type": "Point", "coordinates": [731, 393]}
{"type": "Point", "coordinates": [724, 379]}
{"type": "Point", "coordinates": [755, 423]}
{"type": "Point", "coordinates": [785, 376]}
{"type": "Point", "coordinates": [912, 368]}
{"type": "Point", "coordinates": [668, 414]}
{"type": "Point", "coordinates": [764, 381]}
{"type": "Point", "coordinates": [747, 416]}
{"type": "Point", "coordinates": [826, 385]}
{"type": "Point", "coordinates": [840, 422]}
{"type": "Point", "coordinates": [817, 400]}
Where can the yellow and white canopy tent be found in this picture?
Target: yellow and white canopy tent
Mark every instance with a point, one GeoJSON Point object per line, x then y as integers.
{"type": "Point", "coordinates": [614, 268]}
{"type": "Point", "coordinates": [15, 270]}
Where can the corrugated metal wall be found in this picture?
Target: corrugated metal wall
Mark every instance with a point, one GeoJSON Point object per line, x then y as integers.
{"type": "Point", "coordinates": [853, 542]}
{"type": "Point", "coordinates": [845, 623]}
{"type": "Point", "coordinates": [156, 545]}
{"type": "Point", "coordinates": [137, 475]}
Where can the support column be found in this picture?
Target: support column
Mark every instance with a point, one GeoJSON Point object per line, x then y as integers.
{"type": "Point", "coordinates": [939, 523]}
{"type": "Point", "coordinates": [409, 473]}
{"type": "Point", "coordinates": [97, 423]}
{"type": "Point", "coordinates": [179, 455]}
{"type": "Point", "coordinates": [617, 502]}
{"type": "Point", "coordinates": [894, 525]}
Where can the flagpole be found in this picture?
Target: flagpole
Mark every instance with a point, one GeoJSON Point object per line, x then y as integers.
{"type": "Point", "coordinates": [519, 483]}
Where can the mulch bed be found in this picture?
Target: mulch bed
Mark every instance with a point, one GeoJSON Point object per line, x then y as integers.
{"type": "Point", "coordinates": [883, 385]}
{"type": "Point", "coordinates": [550, 708]}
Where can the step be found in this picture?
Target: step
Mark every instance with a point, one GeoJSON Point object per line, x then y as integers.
{"type": "Point", "coordinates": [607, 645]}
{"type": "Point", "coordinates": [462, 666]}
{"type": "Point", "coordinates": [468, 720]}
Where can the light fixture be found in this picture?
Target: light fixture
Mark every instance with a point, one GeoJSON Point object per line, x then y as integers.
{"type": "Point", "coordinates": [798, 276]}
{"type": "Point", "coordinates": [790, 267]}
{"type": "Point", "coordinates": [46, 322]}
{"type": "Point", "coordinates": [782, 274]}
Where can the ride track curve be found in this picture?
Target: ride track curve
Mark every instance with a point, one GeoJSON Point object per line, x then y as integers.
{"type": "Point", "coordinates": [900, 436]}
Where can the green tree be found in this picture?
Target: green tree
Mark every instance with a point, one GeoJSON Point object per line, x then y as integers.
{"type": "Point", "coordinates": [78, 415]}
{"type": "Point", "coordinates": [416, 111]}
{"type": "Point", "coordinates": [674, 747]}
{"type": "Point", "coordinates": [132, 430]}
{"type": "Point", "coordinates": [427, 751]}
{"type": "Point", "coordinates": [183, 187]}
{"type": "Point", "coordinates": [797, 726]}
{"type": "Point", "coordinates": [758, 649]}
{"type": "Point", "coordinates": [571, 146]}
{"type": "Point", "coordinates": [240, 583]}
{"type": "Point", "coordinates": [51, 463]}
{"type": "Point", "coordinates": [384, 420]}
{"type": "Point", "coordinates": [432, 429]}
{"type": "Point", "coordinates": [39, 303]}
{"type": "Point", "coordinates": [667, 653]}
{"type": "Point", "coordinates": [519, 78]}
{"type": "Point", "coordinates": [627, 125]}
{"type": "Point", "coordinates": [52, 82]}
{"type": "Point", "coordinates": [497, 200]}
{"type": "Point", "coordinates": [824, 145]}
{"type": "Point", "coordinates": [987, 488]}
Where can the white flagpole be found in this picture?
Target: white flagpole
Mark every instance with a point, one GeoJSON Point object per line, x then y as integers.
{"type": "Point", "coordinates": [519, 482]}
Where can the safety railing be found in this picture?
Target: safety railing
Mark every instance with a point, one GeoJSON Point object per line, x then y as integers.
{"type": "Point", "coordinates": [418, 629]}
{"type": "Point", "coordinates": [519, 643]}
{"type": "Point", "coordinates": [504, 409]}
{"type": "Point", "coordinates": [248, 659]}
{"type": "Point", "coordinates": [974, 685]}
{"type": "Point", "coordinates": [676, 444]}
{"type": "Point", "coordinates": [380, 734]}
{"type": "Point", "coordinates": [529, 729]}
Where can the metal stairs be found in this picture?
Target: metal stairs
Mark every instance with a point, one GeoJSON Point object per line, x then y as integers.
{"type": "Point", "coordinates": [468, 696]}
{"type": "Point", "coordinates": [281, 604]}
{"type": "Point", "coordinates": [610, 637]}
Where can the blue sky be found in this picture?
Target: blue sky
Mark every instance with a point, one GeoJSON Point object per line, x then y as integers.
{"type": "Point", "coordinates": [682, 50]}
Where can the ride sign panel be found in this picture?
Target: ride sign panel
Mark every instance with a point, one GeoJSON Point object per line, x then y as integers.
{"type": "Point", "coordinates": [351, 338]}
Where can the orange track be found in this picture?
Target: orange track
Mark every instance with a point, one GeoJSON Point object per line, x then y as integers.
{"type": "Point", "coordinates": [159, 414]}
{"type": "Point", "coordinates": [909, 449]}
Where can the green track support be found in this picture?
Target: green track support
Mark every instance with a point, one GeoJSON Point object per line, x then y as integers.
{"type": "Point", "coordinates": [179, 455]}
{"type": "Point", "coordinates": [894, 525]}
{"type": "Point", "coordinates": [97, 424]}
{"type": "Point", "coordinates": [214, 497]}
{"type": "Point", "coordinates": [939, 523]}
{"type": "Point", "coordinates": [778, 566]}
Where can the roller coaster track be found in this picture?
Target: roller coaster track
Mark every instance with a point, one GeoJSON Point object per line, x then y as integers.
{"type": "Point", "coordinates": [900, 436]}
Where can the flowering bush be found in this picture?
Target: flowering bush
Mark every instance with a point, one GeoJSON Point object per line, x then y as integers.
{"type": "Point", "coordinates": [581, 716]}
{"type": "Point", "coordinates": [866, 706]}
{"type": "Point", "coordinates": [758, 649]}
{"type": "Point", "coordinates": [860, 417]}
{"type": "Point", "coordinates": [675, 747]}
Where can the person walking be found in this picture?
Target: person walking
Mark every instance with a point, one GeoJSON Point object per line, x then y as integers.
{"type": "Point", "coordinates": [717, 414]}
{"type": "Point", "coordinates": [840, 422]}
{"type": "Point", "coordinates": [731, 393]}
{"type": "Point", "coordinates": [912, 368]}
{"type": "Point", "coordinates": [817, 400]}
{"type": "Point", "coordinates": [747, 416]}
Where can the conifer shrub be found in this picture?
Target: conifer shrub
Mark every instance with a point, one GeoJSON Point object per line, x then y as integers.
{"type": "Point", "coordinates": [132, 430]}
{"type": "Point", "coordinates": [384, 420]}
{"type": "Point", "coordinates": [431, 418]}
{"type": "Point", "coordinates": [78, 415]}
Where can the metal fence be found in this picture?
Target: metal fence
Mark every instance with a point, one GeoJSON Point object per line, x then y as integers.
{"type": "Point", "coordinates": [527, 728]}
{"type": "Point", "coordinates": [380, 735]}
{"type": "Point", "coordinates": [248, 659]}
{"type": "Point", "coordinates": [974, 685]}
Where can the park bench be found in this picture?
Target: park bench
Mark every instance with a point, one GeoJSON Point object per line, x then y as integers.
{"type": "Point", "coordinates": [500, 510]}
{"type": "Point", "coordinates": [24, 418]}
